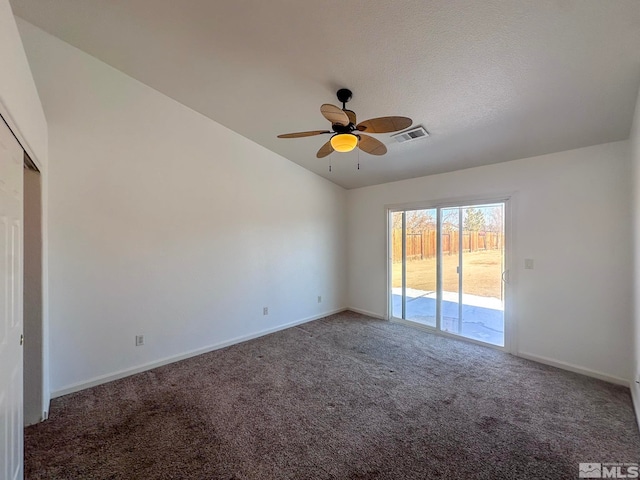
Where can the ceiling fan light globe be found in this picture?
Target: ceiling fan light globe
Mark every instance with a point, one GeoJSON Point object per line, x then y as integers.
{"type": "Point", "coordinates": [344, 142]}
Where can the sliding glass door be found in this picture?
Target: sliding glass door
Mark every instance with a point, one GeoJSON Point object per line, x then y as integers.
{"type": "Point", "coordinates": [447, 266]}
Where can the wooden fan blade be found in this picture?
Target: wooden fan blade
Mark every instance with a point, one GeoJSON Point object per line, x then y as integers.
{"type": "Point", "coordinates": [371, 145]}
{"type": "Point", "coordinates": [303, 134]}
{"type": "Point", "coordinates": [325, 150]}
{"type": "Point", "coordinates": [384, 124]}
{"type": "Point", "coordinates": [334, 114]}
{"type": "Point", "coordinates": [352, 116]}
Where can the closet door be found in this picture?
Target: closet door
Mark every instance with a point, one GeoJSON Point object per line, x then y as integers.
{"type": "Point", "coordinates": [11, 278]}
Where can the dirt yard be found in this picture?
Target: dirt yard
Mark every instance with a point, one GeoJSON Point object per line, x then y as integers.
{"type": "Point", "coordinates": [481, 273]}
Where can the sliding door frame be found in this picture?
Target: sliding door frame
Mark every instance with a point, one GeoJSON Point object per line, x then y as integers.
{"type": "Point", "coordinates": [510, 339]}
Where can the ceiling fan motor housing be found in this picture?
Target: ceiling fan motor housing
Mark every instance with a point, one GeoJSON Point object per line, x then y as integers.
{"type": "Point", "coordinates": [343, 128]}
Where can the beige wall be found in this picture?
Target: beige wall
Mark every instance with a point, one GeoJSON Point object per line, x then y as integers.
{"type": "Point", "coordinates": [167, 224]}
{"type": "Point", "coordinates": [19, 102]}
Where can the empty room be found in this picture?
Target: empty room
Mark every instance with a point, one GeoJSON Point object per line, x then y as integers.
{"type": "Point", "coordinates": [319, 240]}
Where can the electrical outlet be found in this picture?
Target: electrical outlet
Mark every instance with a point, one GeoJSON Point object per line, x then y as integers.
{"type": "Point", "coordinates": [319, 298]}
{"type": "Point", "coordinates": [528, 263]}
{"type": "Point", "coordinates": [139, 340]}
{"type": "Point", "coordinates": [265, 311]}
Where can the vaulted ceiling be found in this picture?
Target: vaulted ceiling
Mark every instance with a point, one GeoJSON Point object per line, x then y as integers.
{"type": "Point", "coordinates": [491, 80]}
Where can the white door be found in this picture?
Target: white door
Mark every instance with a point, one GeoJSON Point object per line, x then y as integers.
{"type": "Point", "coordinates": [11, 197]}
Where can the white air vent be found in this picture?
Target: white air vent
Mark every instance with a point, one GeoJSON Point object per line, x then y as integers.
{"type": "Point", "coordinates": [409, 135]}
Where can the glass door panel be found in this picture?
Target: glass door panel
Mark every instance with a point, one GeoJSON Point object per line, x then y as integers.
{"type": "Point", "coordinates": [421, 266]}
{"type": "Point", "coordinates": [450, 260]}
{"type": "Point", "coordinates": [482, 267]}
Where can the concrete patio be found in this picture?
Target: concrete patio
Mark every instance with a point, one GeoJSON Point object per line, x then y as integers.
{"type": "Point", "coordinates": [482, 317]}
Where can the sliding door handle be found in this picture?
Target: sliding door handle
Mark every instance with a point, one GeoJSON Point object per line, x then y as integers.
{"type": "Point", "coordinates": [505, 276]}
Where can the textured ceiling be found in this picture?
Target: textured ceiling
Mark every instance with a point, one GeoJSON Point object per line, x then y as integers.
{"type": "Point", "coordinates": [491, 81]}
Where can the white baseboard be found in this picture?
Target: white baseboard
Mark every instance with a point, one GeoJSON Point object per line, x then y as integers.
{"type": "Point", "coordinates": [635, 397]}
{"type": "Point", "coordinates": [47, 406]}
{"type": "Point", "coordinates": [76, 387]}
{"type": "Point", "coordinates": [574, 368]}
{"type": "Point", "coordinates": [365, 312]}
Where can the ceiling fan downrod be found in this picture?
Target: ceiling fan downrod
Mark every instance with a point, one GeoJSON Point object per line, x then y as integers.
{"type": "Point", "coordinates": [344, 95]}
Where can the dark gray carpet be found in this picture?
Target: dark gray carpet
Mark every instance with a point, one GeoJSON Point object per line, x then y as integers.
{"type": "Point", "coordinates": [345, 397]}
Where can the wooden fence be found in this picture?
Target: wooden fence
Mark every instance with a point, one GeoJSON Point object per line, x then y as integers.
{"type": "Point", "coordinates": [423, 244]}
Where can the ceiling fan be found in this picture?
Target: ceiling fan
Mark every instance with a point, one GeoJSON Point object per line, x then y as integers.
{"type": "Point", "coordinates": [348, 135]}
